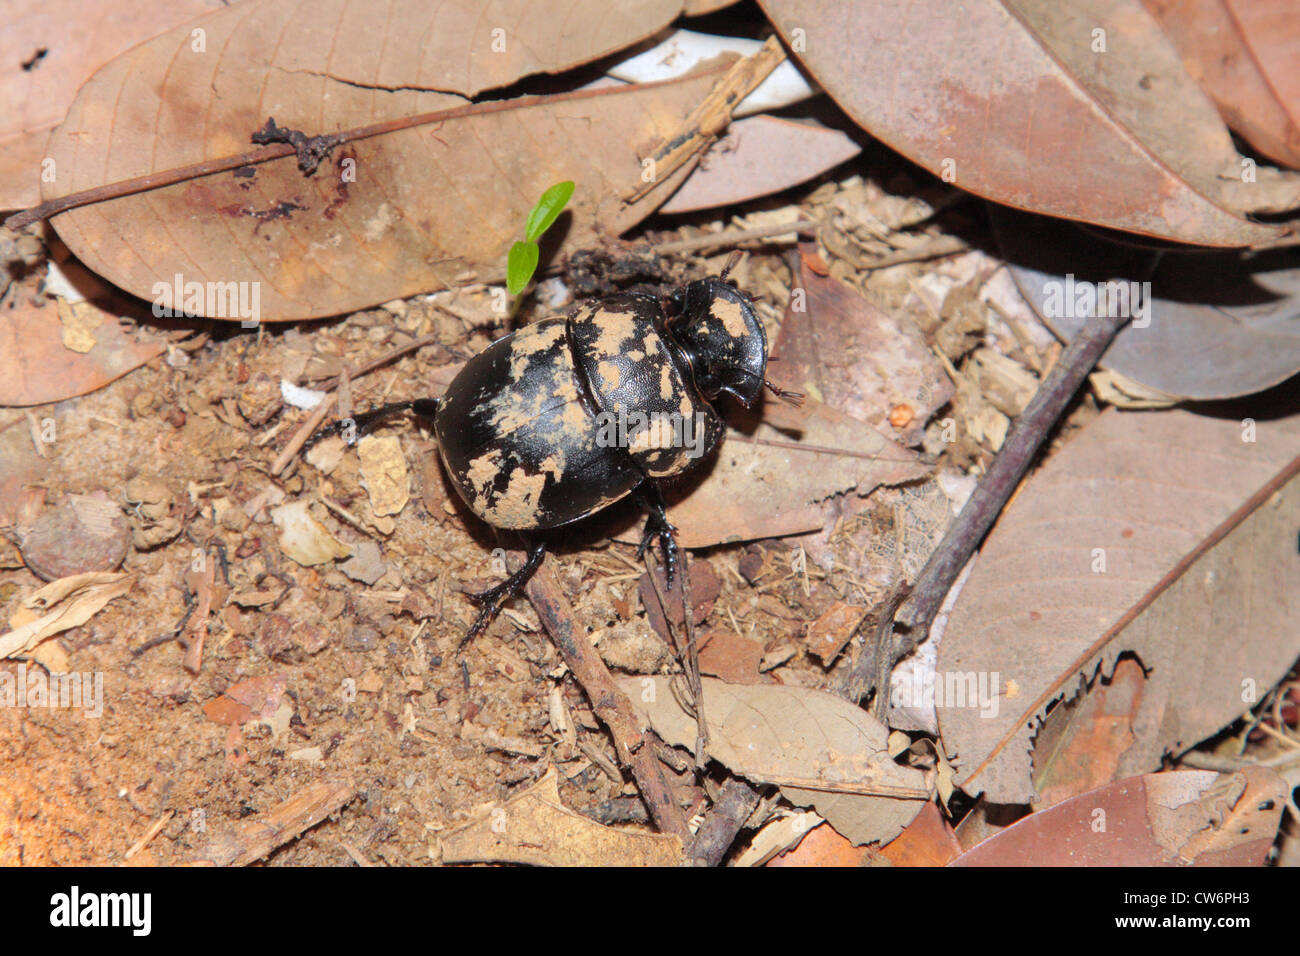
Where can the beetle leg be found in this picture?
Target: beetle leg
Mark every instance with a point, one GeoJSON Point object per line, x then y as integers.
{"type": "Point", "coordinates": [366, 421]}
{"type": "Point", "coordinates": [658, 528]}
{"type": "Point", "coordinates": [494, 598]}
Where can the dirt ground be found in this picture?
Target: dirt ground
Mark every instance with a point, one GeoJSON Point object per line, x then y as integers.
{"type": "Point", "coordinates": [374, 692]}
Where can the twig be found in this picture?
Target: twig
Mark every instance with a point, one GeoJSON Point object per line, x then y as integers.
{"type": "Point", "coordinates": [730, 237]}
{"type": "Point", "coordinates": [871, 670]}
{"type": "Point", "coordinates": [688, 654]}
{"type": "Point", "coordinates": [169, 177]}
{"type": "Point", "coordinates": [367, 367]}
{"type": "Point", "coordinates": [935, 248]}
{"type": "Point", "coordinates": [711, 116]}
{"type": "Point", "coordinates": [609, 703]}
{"type": "Point", "coordinates": [718, 831]}
{"type": "Point", "coordinates": [304, 432]}
{"type": "Point", "coordinates": [250, 841]}
{"type": "Point", "coordinates": [149, 834]}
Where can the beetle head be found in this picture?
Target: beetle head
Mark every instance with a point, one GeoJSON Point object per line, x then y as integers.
{"type": "Point", "coordinates": [716, 327]}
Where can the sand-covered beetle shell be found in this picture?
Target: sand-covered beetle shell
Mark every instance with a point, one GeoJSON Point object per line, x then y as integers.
{"type": "Point", "coordinates": [568, 415]}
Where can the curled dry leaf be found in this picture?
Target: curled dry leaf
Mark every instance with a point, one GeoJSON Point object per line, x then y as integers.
{"type": "Point", "coordinates": [1167, 534]}
{"type": "Point", "coordinates": [535, 828]}
{"type": "Point", "coordinates": [1210, 325]}
{"type": "Point", "coordinates": [821, 750]}
{"type": "Point", "coordinates": [60, 606]}
{"type": "Point", "coordinates": [413, 210]}
{"type": "Point", "coordinates": [1197, 818]}
{"type": "Point", "coordinates": [1012, 102]}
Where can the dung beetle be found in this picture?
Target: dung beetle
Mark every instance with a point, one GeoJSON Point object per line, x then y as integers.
{"type": "Point", "coordinates": [570, 414]}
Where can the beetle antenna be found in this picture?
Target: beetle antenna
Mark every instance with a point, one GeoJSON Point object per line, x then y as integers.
{"type": "Point", "coordinates": [785, 394]}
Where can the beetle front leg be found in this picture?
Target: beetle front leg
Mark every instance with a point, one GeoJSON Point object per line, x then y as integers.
{"type": "Point", "coordinates": [366, 421]}
{"type": "Point", "coordinates": [658, 528]}
{"type": "Point", "coordinates": [494, 598]}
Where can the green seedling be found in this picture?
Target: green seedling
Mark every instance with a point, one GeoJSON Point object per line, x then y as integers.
{"type": "Point", "coordinates": [522, 261]}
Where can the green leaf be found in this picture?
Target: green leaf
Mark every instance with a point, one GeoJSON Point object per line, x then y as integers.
{"type": "Point", "coordinates": [520, 266]}
{"type": "Point", "coordinates": [547, 210]}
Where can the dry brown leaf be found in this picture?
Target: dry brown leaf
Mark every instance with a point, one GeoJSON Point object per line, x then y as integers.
{"type": "Point", "coordinates": [770, 477]}
{"type": "Point", "coordinates": [1243, 55]}
{"type": "Point", "coordinates": [821, 750]}
{"type": "Point", "coordinates": [47, 50]}
{"type": "Point", "coordinates": [305, 539]}
{"type": "Point", "coordinates": [822, 846]}
{"type": "Point", "coordinates": [60, 606]}
{"type": "Point", "coordinates": [1210, 325]}
{"type": "Point", "coordinates": [854, 356]}
{"type": "Point", "coordinates": [36, 367]}
{"type": "Point", "coordinates": [535, 828]}
{"type": "Point", "coordinates": [1195, 817]}
{"type": "Point", "coordinates": [413, 210]}
{"type": "Point", "coordinates": [1168, 534]}
{"type": "Point", "coordinates": [760, 155]}
{"type": "Point", "coordinates": [927, 841]}
{"type": "Point", "coordinates": [1082, 741]}
{"type": "Point", "coordinates": [1010, 101]}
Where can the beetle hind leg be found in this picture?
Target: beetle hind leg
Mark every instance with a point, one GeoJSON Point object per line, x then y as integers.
{"type": "Point", "coordinates": [658, 529]}
{"type": "Point", "coordinates": [492, 600]}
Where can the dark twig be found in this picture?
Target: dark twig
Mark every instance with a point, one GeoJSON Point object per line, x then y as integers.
{"type": "Point", "coordinates": [273, 151]}
{"type": "Point", "coordinates": [718, 831]}
{"type": "Point", "coordinates": [611, 705]}
{"type": "Point", "coordinates": [871, 670]}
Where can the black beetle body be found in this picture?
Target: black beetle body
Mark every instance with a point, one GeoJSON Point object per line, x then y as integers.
{"type": "Point", "coordinates": [530, 429]}
{"type": "Point", "coordinates": [566, 416]}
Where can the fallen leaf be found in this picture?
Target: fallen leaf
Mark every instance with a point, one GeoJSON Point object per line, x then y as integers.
{"type": "Point", "coordinates": [771, 477]}
{"type": "Point", "coordinates": [1194, 817]}
{"type": "Point", "coordinates": [829, 633]}
{"type": "Point", "coordinates": [1083, 740]}
{"type": "Point", "coordinates": [1168, 534]}
{"type": "Point", "coordinates": [60, 606]}
{"type": "Point", "coordinates": [1243, 55]}
{"type": "Point", "coordinates": [1211, 325]}
{"type": "Point", "coordinates": [305, 539]}
{"type": "Point", "coordinates": [36, 368]}
{"type": "Point", "coordinates": [856, 357]}
{"type": "Point", "coordinates": [1012, 101]}
{"type": "Point", "coordinates": [776, 836]}
{"type": "Point", "coordinates": [927, 841]}
{"type": "Point", "coordinates": [413, 210]}
{"type": "Point", "coordinates": [255, 698]}
{"type": "Point", "coordinates": [819, 749]}
{"type": "Point", "coordinates": [535, 828]}
{"type": "Point", "coordinates": [731, 657]}
{"type": "Point", "coordinates": [822, 846]}
{"type": "Point", "coordinates": [758, 156]}
{"type": "Point", "coordinates": [47, 50]}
